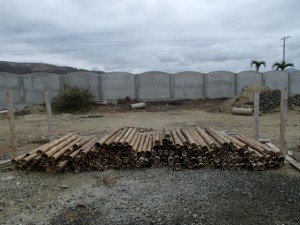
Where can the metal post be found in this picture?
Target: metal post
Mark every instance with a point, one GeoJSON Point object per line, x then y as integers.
{"type": "Point", "coordinates": [283, 55]}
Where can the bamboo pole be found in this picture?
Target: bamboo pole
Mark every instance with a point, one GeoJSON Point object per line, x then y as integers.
{"type": "Point", "coordinates": [256, 115]}
{"type": "Point", "coordinates": [209, 140]}
{"type": "Point", "coordinates": [130, 136]}
{"type": "Point", "coordinates": [216, 136]}
{"type": "Point", "coordinates": [167, 133]}
{"type": "Point", "coordinates": [49, 118]}
{"type": "Point", "coordinates": [181, 137]}
{"type": "Point", "coordinates": [53, 143]}
{"type": "Point", "coordinates": [283, 121]}
{"type": "Point", "coordinates": [189, 137]}
{"type": "Point", "coordinates": [55, 149]}
{"type": "Point", "coordinates": [105, 138]}
{"type": "Point", "coordinates": [11, 121]}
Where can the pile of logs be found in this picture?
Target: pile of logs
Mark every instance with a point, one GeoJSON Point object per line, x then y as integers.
{"type": "Point", "coordinates": [270, 101]}
{"type": "Point", "coordinates": [126, 148]}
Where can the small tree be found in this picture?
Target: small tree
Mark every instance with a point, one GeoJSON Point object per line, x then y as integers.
{"type": "Point", "coordinates": [282, 65]}
{"type": "Point", "coordinates": [258, 64]}
{"type": "Point", "coordinates": [73, 99]}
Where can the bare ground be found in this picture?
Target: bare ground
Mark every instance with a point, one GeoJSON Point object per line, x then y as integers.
{"type": "Point", "coordinates": [149, 196]}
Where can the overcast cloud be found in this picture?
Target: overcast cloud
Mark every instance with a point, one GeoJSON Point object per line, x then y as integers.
{"type": "Point", "coordinates": [137, 36]}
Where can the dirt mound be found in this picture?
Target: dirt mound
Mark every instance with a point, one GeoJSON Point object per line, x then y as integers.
{"type": "Point", "coordinates": [269, 101]}
{"type": "Point", "coordinates": [244, 100]}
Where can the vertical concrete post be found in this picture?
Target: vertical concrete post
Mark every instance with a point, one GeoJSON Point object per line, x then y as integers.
{"type": "Point", "coordinates": [21, 89]}
{"type": "Point", "coordinates": [205, 85]}
{"type": "Point", "coordinates": [137, 86]}
{"type": "Point", "coordinates": [100, 86]}
{"type": "Point", "coordinates": [235, 84]}
{"type": "Point", "coordinates": [283, 121]}
{"type": "Point", "coordinates": [171, 86]}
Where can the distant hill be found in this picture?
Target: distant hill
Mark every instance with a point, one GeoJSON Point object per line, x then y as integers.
{"type": "Point", "coordinates": [26, 68]}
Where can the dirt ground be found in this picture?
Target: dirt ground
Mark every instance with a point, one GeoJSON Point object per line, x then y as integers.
{"type": "Point", "coordinates": [148, 196]}
{"type": "Point", "coordinates": [31, 124]}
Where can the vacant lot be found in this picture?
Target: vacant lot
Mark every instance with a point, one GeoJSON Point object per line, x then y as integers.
{"type": "Point", "coordinates": [148, 196]}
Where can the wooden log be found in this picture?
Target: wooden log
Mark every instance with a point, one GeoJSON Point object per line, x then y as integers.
{"type": "Point", "coordinates": [156, 139]}
{"type": "Point", "coordinates": [49, 117]}
{"type": "Point", "coordinates": [106, 138]}
{"type": "Point", "coordinates": [189, 137]}
{"type": "Point", "coordinates": [181, 137]}
{"type": "Point", "coordinates": [252, 144]}
{"type": "Point", "coordinates": [67, 149]}
{"type": "Point", "coordinates": [55, 149]}
{"type": "Point", "coordinates": [258, 143]}
{"type": "Point", "coordinates": [61, 165]}
{"type": "Point", "coordinates": [11, 121]}
{"type": "Point", "coordinates": [218, 137]}
{"type": "Point", "coordinates": [167, 133]}
{"type": "Point", "coordinates": [141, 144]}
{"type": "Point", "coordinates": [109, 141]}
{"type": "Point", "coordinates": [209, 141]}
{"type": "Point", "coordinates": [130, 137]}
{"type": "Point", "coordinates": [149, 147]}
{"type": "Point", "coordinates": [137, 143]}
{"type": "Point", "coordinates": [200, 140]}
{"type": "Point", "coordinates": [117, 139]}
{"type": "Point", "coordinates": [53, 143]}
{"type": "Point", "coordinates": [81, 142]}
{"type": "Point", "coordinates": [237, 142]}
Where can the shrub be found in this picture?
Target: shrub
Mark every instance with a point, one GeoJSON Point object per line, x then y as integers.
{"type": "Point", "coordinates": [73, 99]}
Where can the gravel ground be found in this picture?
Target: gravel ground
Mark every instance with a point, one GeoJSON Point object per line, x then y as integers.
{"type": "Point", "coordinates": [151, 196]}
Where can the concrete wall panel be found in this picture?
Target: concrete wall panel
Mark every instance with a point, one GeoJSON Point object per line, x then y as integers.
{"type": "Point", "coordinates": [294, 83]}
{"type": "Point", "coordinates": [12, 82]}
{"type": "Point", "coordinates": [188, 85]}
{"type": "Point", "coordinates": [85, 80]}
{"type": "Point", "coordinates": [276, 79]}
{"type": "Point", "coordinates": [248, 78]}
{"type": "Point", "coordinates": [154, 85]}
{"type": "Point", "coordinates": [220, 84]}
{"type": "Point", "coordinates": [117, 85]}
{"type": "Point", "coordinates": [36, 84]}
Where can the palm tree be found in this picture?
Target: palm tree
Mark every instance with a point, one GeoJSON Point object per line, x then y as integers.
{"type": "Point", "coordinates": [282, 65]}
{"type": "Point", "coordinates": [257, 64]}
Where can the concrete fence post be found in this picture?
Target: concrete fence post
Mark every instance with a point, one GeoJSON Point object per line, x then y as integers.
{"type": "Point", "coordinates": [137, 87]}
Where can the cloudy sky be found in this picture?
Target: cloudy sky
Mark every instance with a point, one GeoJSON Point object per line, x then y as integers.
{"type": "Point", "coordinates": [137, 36]}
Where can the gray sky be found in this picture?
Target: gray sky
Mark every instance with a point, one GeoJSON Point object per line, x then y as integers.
{"type": "Point", "coordinates": [137, 36]}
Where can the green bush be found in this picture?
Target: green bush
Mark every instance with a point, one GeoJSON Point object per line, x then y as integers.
{"type": "Point", "coordinates": [73, 99]}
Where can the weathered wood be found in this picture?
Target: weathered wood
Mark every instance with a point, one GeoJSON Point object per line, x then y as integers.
{"type": "Point", "coordinates": [283, 121]}
{"type": "Point", "coordinates": [51, 135]}
{"type": "Point", "coordinates": [256, 115]}
{"type": "Point", "coordinates": [11, 121]}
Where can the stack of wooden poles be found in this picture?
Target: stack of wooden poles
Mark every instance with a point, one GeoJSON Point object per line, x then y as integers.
{"type": "Point", "coordinates": [128, 147]}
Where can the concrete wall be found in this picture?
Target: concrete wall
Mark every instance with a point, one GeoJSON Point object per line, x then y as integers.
{"type": "Point", "coordinates": [29, 89]}
{"type": "Point", "coordinates": [247, 78]}
{"type": "Point", "coordinates": [294, 87]}
{"type": "Point", "coordinates": [86, 80]}
{"type": "Point", "coordinates": [153, 85]}
{"type": "Point", "coordinates": [12, 82]}
{"type": "Point", "coordinates": [118, 85]}
{"type": "Point", "coordinates": [276, 79]}
{"type": "Point", "coordinates": [188, 85]}
{"type": "Point", "coordinates": [36, 84]}
{"type": "Point", "coordinates": [220, 84]}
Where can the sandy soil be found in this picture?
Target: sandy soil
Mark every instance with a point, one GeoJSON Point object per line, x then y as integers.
{"type": "Point", "coordinates": [153, 195]}
{"type": "Point", "coordinates": [32, 128]}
